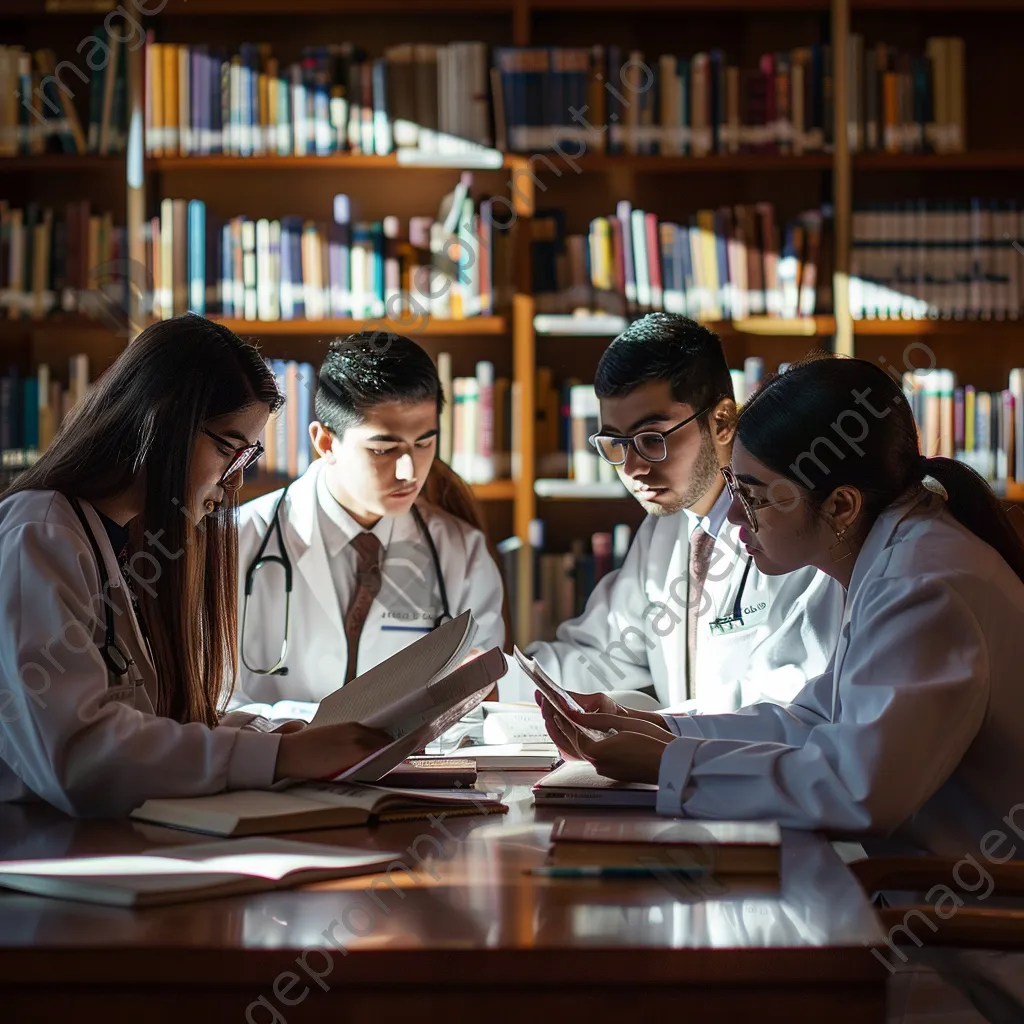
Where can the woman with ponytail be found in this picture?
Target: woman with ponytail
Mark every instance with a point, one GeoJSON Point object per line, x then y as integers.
{"type": "Point", "coordinates": [916, 730]}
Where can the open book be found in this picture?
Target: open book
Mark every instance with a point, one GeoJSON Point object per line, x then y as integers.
{"type": "Point", "coordinates": [192, 872]}
{"type": "Point", "coordinates": [309, 805]}
{"type": "Point", "coordinates": [415, 695]}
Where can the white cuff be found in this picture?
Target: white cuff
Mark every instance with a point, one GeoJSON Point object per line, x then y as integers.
{"type": "Point", "coordinates": [674, 774]}
{"type": "Point", "coordinates": [253, 760]}
{"type": "Point", "coordinates": [683, 725]}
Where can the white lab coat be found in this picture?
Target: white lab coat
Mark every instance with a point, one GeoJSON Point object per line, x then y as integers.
{"type": "Point", "coordinates": [406, 608]}
{"type": "Point", "coordinates": [632, 633]}
{"type": "Point", "coordinates": [914, 732]}
{"type": "Point", "coordinates": [70, 733]}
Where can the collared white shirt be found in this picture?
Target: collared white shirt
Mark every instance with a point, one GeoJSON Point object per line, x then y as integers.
{"type": "Point", "coordinates": [338, 530]}
{"type": "Point", "coordinates": [632, 633]}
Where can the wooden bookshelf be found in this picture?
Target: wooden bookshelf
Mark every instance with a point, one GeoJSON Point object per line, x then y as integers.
{"type": "Point", "coordinates": [979, 350]}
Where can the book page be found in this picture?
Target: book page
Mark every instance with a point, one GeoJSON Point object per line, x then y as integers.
{"type": "Point", "coordinates": [404, 673]}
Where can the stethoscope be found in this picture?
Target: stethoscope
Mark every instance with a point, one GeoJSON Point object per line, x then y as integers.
{"type": "Point", "coordinates": [261, 559]}
{"type": "Point", "coordinates": [118, 661]}
{"type": "Point", "coordinates": [727, 623]}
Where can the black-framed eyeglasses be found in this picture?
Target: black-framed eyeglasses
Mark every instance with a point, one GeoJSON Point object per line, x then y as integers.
{"type": "Point", "coordinates": [748, 503]}
{"type": "Point", "coordinates": [648, 444]}
{"type": "Point", "coordinates": [241, 458]}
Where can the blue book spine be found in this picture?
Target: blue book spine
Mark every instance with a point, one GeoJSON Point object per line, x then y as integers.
{"type": "Point", "coordinates": [197, 256]}
{"type": "Point", "coordinates": [227, 272]}
{"type": "Point", "coordinates": [30, 412]}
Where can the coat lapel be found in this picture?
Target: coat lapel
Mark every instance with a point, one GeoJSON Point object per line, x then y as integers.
{"type": "Point", "coordinates": [306, 541]}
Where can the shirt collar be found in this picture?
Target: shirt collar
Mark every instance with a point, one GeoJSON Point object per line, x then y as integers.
{"type": "Point", "coordinates": [338, 528]}
{"type": "Point", "coordinates": [713, 522]}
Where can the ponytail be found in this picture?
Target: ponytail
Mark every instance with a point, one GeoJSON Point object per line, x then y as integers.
{"type": "Point", "coordinates": [446, 490]}
{"type": "Point", "coordinates": [973, 503]}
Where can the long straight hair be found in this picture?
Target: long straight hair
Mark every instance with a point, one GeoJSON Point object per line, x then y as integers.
{"type": "Point", "coordinates": [143, 416]}
{"type": "Point", "coordinates": [806, 413]}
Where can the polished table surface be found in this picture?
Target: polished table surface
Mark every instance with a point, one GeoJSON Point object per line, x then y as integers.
{"type": "Point", "coordinates": [458, 921]}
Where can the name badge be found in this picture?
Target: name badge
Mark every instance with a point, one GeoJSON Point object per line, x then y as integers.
{"type": "Point", "coordinates": [751, 615]}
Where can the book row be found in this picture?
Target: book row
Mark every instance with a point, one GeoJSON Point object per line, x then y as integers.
{"type": "Point", "coordinates": [981, 428]}
{"type": "Point", "coordinates": [38, 114]}
{"type": "Point", "coordinates": [450, 99]}
{"type": "Point", "coordinates": [731, 262]}
{"type": "Point", "coordinates": [953, 260]}
{"type": "Point", "coordinates": [70, 260]}
{"type": "Point", "coordinates": [334, 99]}
{"type": "Point", "coordinates": [295, 268]}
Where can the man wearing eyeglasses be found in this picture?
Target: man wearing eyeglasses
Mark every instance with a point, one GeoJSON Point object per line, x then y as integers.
{"type": "Point", "coordinates": [688, 618]}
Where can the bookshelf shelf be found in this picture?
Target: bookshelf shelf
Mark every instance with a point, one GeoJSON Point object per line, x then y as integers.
{"type": "Point", "coordinates": [981, 331]}
{"type": "Point", "coordinates": [480, 326]}
{"type": "Point", "coordinates": [59, 163]}
{"type": "Point", "coordinates": [334, 162]}
{"type": "Point", "coordinates": [969, 160]}
{"type": "Point", "coordinates": [712, 164]}
{"type": "Point", "coordinates": [264, 483]}
{"type": "Point", "coordinates": [764, 326]}
{"type": "Point", "coordinates": [496, 490]}
{"type": "Point", "coordinates": [571, 490]}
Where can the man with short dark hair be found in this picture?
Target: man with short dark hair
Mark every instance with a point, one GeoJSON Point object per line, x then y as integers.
{"type": "Point", "coordinates": [688, 617]}
{"type": "Point", "coordinates": [374, 566]}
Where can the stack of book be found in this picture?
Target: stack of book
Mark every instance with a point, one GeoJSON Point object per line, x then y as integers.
{"type": "Point", "coordinates": [296, 269]}
{"type": "Point", "coordinates": [46, 120]}
{"type": "Point", "coordinates": [917, 259]}
{"type": "Point", "coordinates": [70, 260]}
{"type": "Point", "coordinates": [907, 103]}
{"type": "Point", "coordinates": [981, 428]}
{"type": "Point", "coordinates": [33, 407]}
{"type": "Point", "coordinates": [334, 99]}
{"type": "Point", "coordinates": [728, 263]}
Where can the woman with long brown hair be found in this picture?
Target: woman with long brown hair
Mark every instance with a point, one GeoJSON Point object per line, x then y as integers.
{"type": "Point", "coordinates": [118, 555]}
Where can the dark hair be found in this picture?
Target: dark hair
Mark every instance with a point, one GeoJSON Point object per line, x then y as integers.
{"type": "Point", "coordinates": [829, 422]}
{"type": "Point", "coordinates": [143, 415]}
{"type": "Point", "coordinates": [368, 368]}
{"type": "Point", "coordinates": [667, 346]}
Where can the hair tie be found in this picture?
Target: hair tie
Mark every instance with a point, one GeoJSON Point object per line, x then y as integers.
{"type": "Point", "coordinates": [928, 482]}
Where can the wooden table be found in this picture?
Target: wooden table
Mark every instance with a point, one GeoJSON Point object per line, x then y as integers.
{"type": "Point", "coordinates": [463, 934]}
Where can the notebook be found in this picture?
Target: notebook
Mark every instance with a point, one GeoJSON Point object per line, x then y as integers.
{"type": "Point", "coordinates": [718, 847]}
{"type": "Point", "coordinates": [309, 805]}
{"type": "Point", "coordinates": [577, 784]}
{"type": "Point", "coordinates": [194, 872]}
